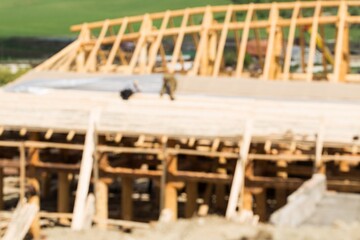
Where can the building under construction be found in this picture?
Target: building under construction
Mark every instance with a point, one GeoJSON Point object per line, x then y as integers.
{"type": "Point", "coordinates": [232, 140]}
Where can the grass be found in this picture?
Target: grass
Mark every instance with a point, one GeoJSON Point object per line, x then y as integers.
{"type": "Point", "coordinates": [54, 17]}
{"type": "Point", "coordinates": [7, 76]}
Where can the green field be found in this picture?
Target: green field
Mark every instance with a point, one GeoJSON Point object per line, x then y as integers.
{"type": "Point", "coordinates": [54, 17]}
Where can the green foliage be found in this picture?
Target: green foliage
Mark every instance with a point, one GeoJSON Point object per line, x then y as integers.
{"type": "Point", "coordinates": [6, 76]}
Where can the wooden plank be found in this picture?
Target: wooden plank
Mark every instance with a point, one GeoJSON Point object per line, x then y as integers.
{"type": "Point", "coordinates": [156, 45]}
{"type": "Point", "coordinates": [85, 174]}
{"type": "Point", "coordinates": [201, 48]}
{"type": "Point", "coordinates": [221, 45]}
{"type": "Point", "coordinates": [341, 40]}
{"type": "Point", "coordinates": [63, 198]}
{"type": "Point", "coordinates": [239, 174]}
{"type": "Point", "coordinates": [270, 51]}
{"type": "Point", "coordinates": [22, 173]}
{"type": "Point", "coordinates": [244, 40]}
{"type": "Point", "coordinates": [2, 188]}
{"type": "Point", "coordinates": [191, 197]}
{"type": "Point", "coordinates": [312, 47]}
{"type": "Point", "coordinates": [126, 198]}
{"type": "Point", "coordinates": [116, 45]}
{"type": "Point", "coordinates": [180, 39]}
{"type": "Point", "coordinates": [21, 221]}
{"type": "Point", "coordinates": [319, 149]}
{"type": "Point", "coordinates": [102, 211]}
{"type": "Point", "coordinates": [290, 42]}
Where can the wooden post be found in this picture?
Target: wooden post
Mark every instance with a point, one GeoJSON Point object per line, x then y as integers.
{"type": "Point", "coordinates": [290, 42]}
{"type": "Point", "coordinates": [260, 201]}
{"type": "Point", "coordinates": [220, 189]}
{"type": "Point", "coordinates": [244, 39]}
{"type": "Point", "coordinates": [85, 173]}
{"type": "Point", "coordinates": [116, 44]}
{"type": "Point", "coordinates": [170, 198]}
{"type": "Point", "coordinates": [1, 188]}
{"type": "Point", "coordinates": [319, 164]}
{"type": "Point", "coordinates": [22, 173]}
{"type": "Point", "coordinates": [312, 48]}
{"type": "Point", "coordinates": [341, 64]}
{"type": "Point", "coordinates": [63, 205]}
{"type": "Point", "coordinates": [126, 198]}
{"type": "Point", "coordinates": [271, 51]}
{"type": "Point", "coordinates": [191, 197]}
{"type": "Point", "coordinates": [239, 175]}
{"type": "Point", "coordinates": [102, 211]}
{"type": "Point", "coordinates": [35, 199]}
{"type": "Point", "coordinates": [224, 33]}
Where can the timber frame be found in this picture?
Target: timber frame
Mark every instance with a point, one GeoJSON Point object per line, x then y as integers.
{"type": "Point", "coordinates": [137, 44]}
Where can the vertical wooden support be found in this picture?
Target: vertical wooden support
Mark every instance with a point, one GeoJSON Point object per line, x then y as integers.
{"type": "Point", "coordinates": [35, 199]}
{"type": "Point", "coordinates": [244, 39]}
{"type": "Point", "coordinates": [201, 52]}
{"type": "Point", "coordinates": [85, 173]}
{"type": "Point", "coordinates": [302, 48]}
{"type": "Point", "coordinates": [63, 204]}
{"type": "Point", "coordinates": [191, 197]}
{"type": "Point", "coordinates": [222, 41]}
{"type": "Point", "coordinates": [126, 198]}
{"type": "Point", "coordinates": [102, 212]}
{"type": "Point", "coordinates": [154, 49]}
{"type": "Point", "coordinates": [22, 172]}
{"type": "Point", "coordinates": [260, 202]}
{"type": "Point", "coordinates": [116, 44]}
{"type": "Point", "coordinates": [319, 164]}
{"type": "Point", "coordinates": [170, 198]}
{"type": "Point", "coordinates": [2, 188]}
{"type": "Point", "coordinates": [236, 33]}
{"type": "Point", "coordinates": [90, 64]}
{"type": "Point", "coordinates": [290, 42]}
{"type": "Point", "coordinates": [141, 43]}
{"type": "Point", "coordinates": [341, 64]}
{"type": "Point", "coordinates": [220, 189]}
{"type": "Point", "coordinates": [247, 200]}
{"type": "Point", "coordinates": [270, 60]}
{"type": "Point", "coordinates": [80, 58]}
{"type": "Point", "coordinates": [179, 40]}
{"type": "Point", "coordinates": [239, 175]}
{"type": "Point", "coordinates": [312, 48]}
{"type": "Point", "coordinates": [280, 193]}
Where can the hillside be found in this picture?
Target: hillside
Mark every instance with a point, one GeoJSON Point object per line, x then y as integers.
{"type": "Point", "coordinates": [53, 17]}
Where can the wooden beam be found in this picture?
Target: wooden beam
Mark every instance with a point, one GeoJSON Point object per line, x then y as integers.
{"type": "Point", "coordinates": [102, 212]}
{"type": "Point", "coordinates": [221, 45]}
{"type": "Point", "coordinates": [244, 40]}
{"type": "Point", "coordinates": [116, 45]}
{"type": "Point", "coordinates": [270, 59]}
{"type": "Point", "coordinates": [22, 173]}
{"type": "Point", "coordinates": [342, 45]}
{"type": "Point", "coordinates": [126, 198]}
{"type": "Point", "coordinates": [21, 222]}
{"type": "Point", "coordinates": [2, 188]}
{"type": "Point", "coordinates": [85, 173]}
{"type": "Point", "coordinates": [191, 197]}
{"type": "Point", "coordinates": [239, 175]}
{"type": "Point", "coordinates": [180, 39]}
{"type": "Point", "coordinates": [63, 198]}
{"type": "Point", "coordinates": [290, 43]}
{"type": "Point", "coordinates": [312, 47]}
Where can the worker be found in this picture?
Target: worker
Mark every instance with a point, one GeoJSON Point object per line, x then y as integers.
{"type": "Point", "coordinates": [169, 85]}
{"type": "Point", "coordinates": [129, 90]}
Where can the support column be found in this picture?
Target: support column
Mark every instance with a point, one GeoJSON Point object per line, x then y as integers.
{"type": "Point", "coordinates": [1, 188]}
{"type": "Point", "coordinates": [63, 205]}
{"type": "Point", "coordinates": [280, 193]}
{"type": "Point", "coordinates": [170, 201]}
{"type": "Point", "coordinates": [260, 201]}
{"type": "Point", "coordinates": [126, 198]}
{"type": "Point", "coordinates": [220, 189]}
{"type": "Point", "coordinates": [191, 197]}
{"type": "Point", "coordinates": [35, 199]}
{"type": "Point", "coordinates": [102, 212]}
{"type": "Point", "coordinates": [248, 200]}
